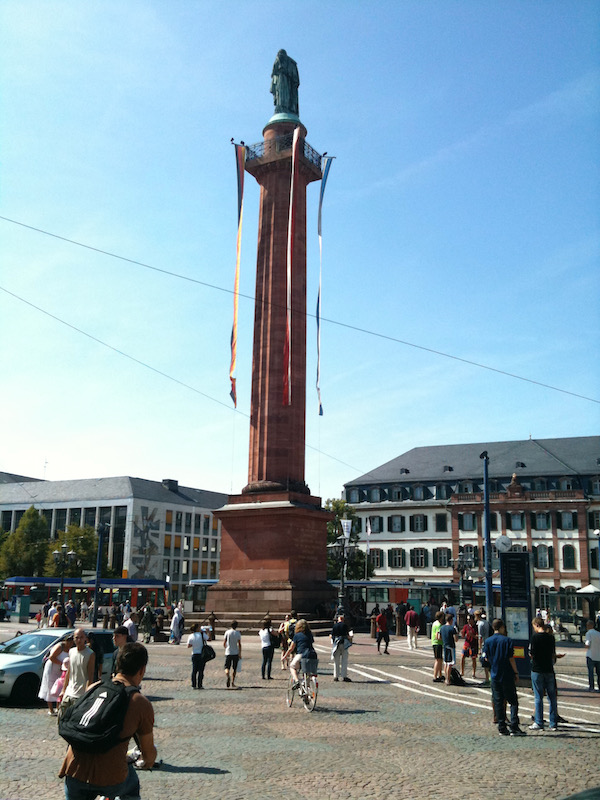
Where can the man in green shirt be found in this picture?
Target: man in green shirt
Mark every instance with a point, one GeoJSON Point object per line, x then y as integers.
{"type": "Point", "coordinates": [436, 643]}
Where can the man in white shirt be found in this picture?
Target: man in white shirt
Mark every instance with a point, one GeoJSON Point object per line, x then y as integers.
{"type": "Point", "coordinates": [80, 674]}
{"type": "Point", "coordinates": [196, 641]}
{"type": "Point", "coordinates": [232, 642]}
{"type": "Point", "coordinates": [592, 643]}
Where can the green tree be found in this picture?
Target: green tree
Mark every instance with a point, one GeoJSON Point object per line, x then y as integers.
{"type": "Point", "coordinates": [355, 568]}
{"type": "Point", "coordinates": [24, 551]}
{"type": "Point", "coordinates": [83, 542]}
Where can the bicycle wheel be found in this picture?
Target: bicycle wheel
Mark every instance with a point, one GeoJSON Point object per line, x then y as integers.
{"type": "Point", "coordinates": [309, 698]}
{"type": "Point", "coordinates": [289, 698]}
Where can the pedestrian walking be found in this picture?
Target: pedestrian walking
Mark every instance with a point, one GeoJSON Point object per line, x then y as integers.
{"type": "Point", "coordinates": [232, 642]}
{"type": "Point", "coordinates": [411, 620]}
{"type": "Point", "coordinates": [196, 640]}
{"type": "Point", "coordinates": [471, 645]}
{"type": "Point", "coordinates": [52, 672]}
{"type": "Point", "coordinates": [382, 632]}
{"type": "Point", "coordinates": [341, 641]}
{"type": "Point", "coordinates": [592, 644]}
{"type": "Point", "coordinates": [268, 640]}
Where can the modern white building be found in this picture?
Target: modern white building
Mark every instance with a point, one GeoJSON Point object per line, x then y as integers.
{"type": "Point", "coordinates": [425, 511]}
{"type": "Point", "coordinates": [157, 530]}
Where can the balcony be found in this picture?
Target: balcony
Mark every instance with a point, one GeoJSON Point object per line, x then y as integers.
{"type": "Point", "coordinates": [281, 144]}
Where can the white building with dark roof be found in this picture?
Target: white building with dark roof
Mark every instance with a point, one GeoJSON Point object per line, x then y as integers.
{"type": "Point", "coordinates": [157, 529]}
{"type": "Point", "coordinates": [425, 509]}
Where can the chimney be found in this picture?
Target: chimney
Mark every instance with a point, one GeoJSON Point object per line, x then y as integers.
{"type": "Point", "coordinates": [170, 485]}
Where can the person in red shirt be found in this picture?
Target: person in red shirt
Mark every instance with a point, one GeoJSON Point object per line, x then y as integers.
{"type": "Point", "coordinates": [382, 632]}
{"type": "Point", "coordinates": [411, 618]}
{"type": "Point", "coordinates": [471, 645]}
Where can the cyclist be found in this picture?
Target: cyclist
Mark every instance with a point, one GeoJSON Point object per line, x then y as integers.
{"type": "Point", "coordinates": [302, 646]}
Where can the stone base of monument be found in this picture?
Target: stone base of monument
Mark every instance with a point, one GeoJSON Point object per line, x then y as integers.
{"type": "Point", "coordinates": [273, 554]}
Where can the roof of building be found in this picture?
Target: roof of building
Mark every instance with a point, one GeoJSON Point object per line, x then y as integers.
{"type": "Point", "coordinates": [9, 477]}
{"type": "Point", "coordinates": [578, 455]}
{"type": "Point", "coordinates": [106, 489]}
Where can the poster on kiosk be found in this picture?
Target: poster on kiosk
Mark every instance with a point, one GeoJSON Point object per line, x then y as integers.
{"type": "Point", "coordinates": [517, 587]}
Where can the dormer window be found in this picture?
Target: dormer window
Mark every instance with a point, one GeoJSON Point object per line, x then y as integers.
{"type": "Point", "coordinates": [465, 487]}
{"type": "Point", "coordinates": [353, 496]}
{"type": "Point", "coordinates": [404, 471]}
{"type": "Point", "coordinates": [448, 468]}
{"type": "Point", "coordinates": [540, 485]}
{"type": "Point", "coordinates": [441, 491]}
{"type": "Point", "coordinates": [375, 494]}
{"type": "Point", "coordinates": [418, 493]}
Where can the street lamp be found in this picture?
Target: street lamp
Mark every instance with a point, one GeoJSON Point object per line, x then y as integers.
{"type": "Point", "coordinates": [487, 538]}
{"type": "Point", "coordinates": [341, 549]}
{"type": "Point", "coordinates": [462, 564]}
{"type": "Point", "coordinates": [62, 559]}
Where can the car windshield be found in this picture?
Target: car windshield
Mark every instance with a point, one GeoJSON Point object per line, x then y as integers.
{"type": "Point", "coordinates": [30, 644]}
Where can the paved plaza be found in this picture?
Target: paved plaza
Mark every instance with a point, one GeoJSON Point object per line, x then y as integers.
{"type": "Point", "coordinates": [391, 733]}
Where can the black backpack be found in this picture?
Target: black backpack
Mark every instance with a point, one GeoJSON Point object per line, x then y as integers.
{"type": "Point", "coordinates": [456, 679]}
{"type": "Point", "coordinates": [93, 723]}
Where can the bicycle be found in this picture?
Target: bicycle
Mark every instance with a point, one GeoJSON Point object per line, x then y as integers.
{"type": "Point", "coordinates": [308, 685]}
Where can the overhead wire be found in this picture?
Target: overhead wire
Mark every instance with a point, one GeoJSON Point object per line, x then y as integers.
{"type": "Point", "coordinates": [346, 325]}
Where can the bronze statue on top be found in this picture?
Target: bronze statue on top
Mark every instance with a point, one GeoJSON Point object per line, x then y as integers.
{"type": "Point", "coordinates": [284, 84]}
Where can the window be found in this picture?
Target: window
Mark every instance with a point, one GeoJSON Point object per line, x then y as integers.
{"type": "Point", "coordinates": [6, 520]}
{"type": "Point", "coordinates": [175, 568]}
{"type": "Point", "coordinates": [441, 557]}
{"type": "Point", "coordinates": [540, 485]}
{"type": "Point", "coordinates": [178, 521]}
{"type": "Point", "coordinates": [419, 493]}
{"type": "Point", "coordinates": [418, 523]}
{"type": "Point", "coordinates": [465, 487]}
{"type": "Point", "coordinates": [543, 557]}
{"type": "Point", "coordinates": [205, 545]}
{"type": "Point", "coordinates": [565, 484]}
{"type": "Point", "coordinates": [542, 523]}
{"type": "Point", "coordinates": [495, 558]}
{"type": "Point", "coordinates": [194, 569]}
{"type": "Point", "coordinates": [213, 546]}
{"type": "Point", "coordinates": [518, 548]}
{"type": "Point", "coordinates": [197, 523]}
{"type": "Point", "coordinates": [184, 567]}
{"type": "Point", "coordinates": [397, 493]}
{"type": "Point", "coordinates": [353, 496]}
{"type": "Point", "coordinates": [75, 516]}
{"type": "Point", "coordinates": [186, 542]}
{"type": "Point", "coordinates": [90, 517]}
{"type": "Point", "coordinates": [595, 485]}
{"type": "Point", "coordinates": [169, 521]}
{"type": "Point", "coordinates": [470, 555]}
{"type": "Point", "coordinates": [543, 597]}
{"type": "Point", "coordinates": [570, 598]}
{"type": "Point", "coordinates": [594, 558]}
{"type": "Point", "coordinates": [515, 521]}
{"type": "Point", "coordinates": [568, 553]}
{"type": "Point", "coordinates": [167, 544]}
{"type": "Point", "coordinates": [206, 525]}
{"type": "Point", "coordinates": [377, 558]}
{"type": "Point", "coordinates": [567, 520]}
{"type": "Point", "coordinates": [188, 522]}
{"type": "Point", "coordinates": [493, 521]}
{"type": "Point", "coordinates": [593, 520]}
{"type": "Point", "coordinates": [467, 522]}
{"type": "Point", "coordinates": [396, 523]}
{"type": "Point", "coordinates": [419, 558]}
{"type": "Point", "coordinates": [375, 495]}
{"type": "Point", "coordinates": [177, 546]}
{"type": "Point", "coordinates": [196, 546]}
{"type": "Point", "coordinates": [441, 523]}
{"type": "Point", "coordinates": [442, 492]}
{"type": "Point", "coordinates": [376, 524]}
{"type": "Point", "coordinates": [213, 569]}
{"type": "Point", "coordinates": [397, 558]}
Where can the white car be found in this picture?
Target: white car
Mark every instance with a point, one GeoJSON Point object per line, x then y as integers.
{"type": "Point", "coordinates": [22, 660]}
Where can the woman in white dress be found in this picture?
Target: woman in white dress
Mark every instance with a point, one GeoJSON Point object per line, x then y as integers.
{"type": "Point", "coordinates": [52, 671]}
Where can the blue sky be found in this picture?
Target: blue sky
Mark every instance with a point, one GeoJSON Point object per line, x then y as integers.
{"type": "Point", "coordinates": [462, 215]}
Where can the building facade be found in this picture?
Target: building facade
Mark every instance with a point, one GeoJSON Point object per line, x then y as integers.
{"type": "Point", "coordinates": [157, 530]}
{"type": "Point", "coordinates": [424, 511]}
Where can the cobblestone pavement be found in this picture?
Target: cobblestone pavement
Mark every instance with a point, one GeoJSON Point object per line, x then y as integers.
{"type": "Point", "coordinates": [391, 733]}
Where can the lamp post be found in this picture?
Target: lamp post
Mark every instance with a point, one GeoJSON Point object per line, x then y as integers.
{"type": "Point", "coordinates": [487, 553]}
{"type": "Point", "coordinates": [462, 564]}
{"type": "Point", "coordinates": [340, 549]}
{"type": "Point", "coordinates": [102, 530]}
{"type": "Point", "coordinates": [62, 559]}
{"type": "Point", "coordinates": [597, 535]}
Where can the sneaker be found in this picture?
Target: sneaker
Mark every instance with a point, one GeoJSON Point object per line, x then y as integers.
{"type": "Point", "coordinates": [503, 731]}
{"type": "Point", "coordinates": [553, 728]}
{"type": "Point", "coordinates": [536, 727]}
{"type": "Point", "coordinates": [517, 732]}
{"type": "Point", "coordinates": [336, 679]}
{"type": "Point", "coordinates": [347, 680]}
{"type": "Point", "coordinates": [295, 686]}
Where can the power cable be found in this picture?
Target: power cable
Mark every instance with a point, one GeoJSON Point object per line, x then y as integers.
{"type": "Point", "coordinates": [346, 325]}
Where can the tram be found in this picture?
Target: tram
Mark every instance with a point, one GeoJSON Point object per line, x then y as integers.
{"type": "Point", "coordinates": [112, 591]}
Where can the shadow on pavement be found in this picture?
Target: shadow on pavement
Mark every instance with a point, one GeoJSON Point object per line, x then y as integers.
{"type": "Point", "coordinates": [197, 770]}
{"type": "Point", "coordinates": [344, 711]}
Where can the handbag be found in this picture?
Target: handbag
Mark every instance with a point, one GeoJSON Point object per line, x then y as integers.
{"type": "Point", "coordinates": [208, 653]}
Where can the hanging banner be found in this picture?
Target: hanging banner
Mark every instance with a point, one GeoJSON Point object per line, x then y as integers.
{"type": "Point", "coordinates": [325, 165]}
{"type": "Point", "coordinates": [287, 348]}
{"type": "Point", "coordinates": [240, 159]}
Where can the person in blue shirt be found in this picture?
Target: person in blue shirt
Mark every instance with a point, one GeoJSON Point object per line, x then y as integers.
{"type": "Point", "coordinates": [499, 652]}
{"type": "Point", "coordinates": [303, 647]}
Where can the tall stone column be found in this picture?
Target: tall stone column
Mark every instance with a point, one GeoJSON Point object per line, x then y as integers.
{"type": "Point", "coordinates": [274, 534]}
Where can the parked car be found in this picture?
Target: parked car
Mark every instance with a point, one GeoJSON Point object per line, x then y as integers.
{"type": "Point", "coordinates": [22, 660]}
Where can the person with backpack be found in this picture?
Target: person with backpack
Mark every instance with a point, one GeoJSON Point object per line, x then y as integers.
{"type": "Point", "coordinates": [99, 727]}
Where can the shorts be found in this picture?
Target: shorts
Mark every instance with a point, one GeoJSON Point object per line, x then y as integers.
{"type": "Point", "coordinates": [438, 650]}
{"type": "Point", "coordinates": [383, 635]}
{"type": "Point", "coordinates": [231, 661]}
{"type": "Point", "coordinates": [470, 650]}
{"type": "Point", "coordinates": [449, 655]}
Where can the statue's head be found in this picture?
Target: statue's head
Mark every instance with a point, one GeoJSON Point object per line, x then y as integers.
{"type": "Point", "coordinates": [281, 54]}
